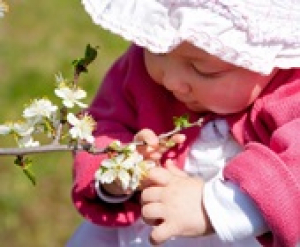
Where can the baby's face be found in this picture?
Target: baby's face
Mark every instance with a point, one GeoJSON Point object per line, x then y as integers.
{"type": "Point", "coordinates": [204, 82]}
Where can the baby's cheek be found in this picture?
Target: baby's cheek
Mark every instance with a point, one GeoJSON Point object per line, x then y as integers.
{"type": "Point", "coordinates": [153, 66]}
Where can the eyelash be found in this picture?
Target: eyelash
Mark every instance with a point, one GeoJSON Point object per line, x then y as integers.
{"type": "Point", "coordinates": [205, 75]}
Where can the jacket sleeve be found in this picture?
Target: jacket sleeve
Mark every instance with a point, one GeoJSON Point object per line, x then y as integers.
{"type": "Point", "coordinates": [270, 172]}
{"type": "Point", "coordinates": [115, 116]}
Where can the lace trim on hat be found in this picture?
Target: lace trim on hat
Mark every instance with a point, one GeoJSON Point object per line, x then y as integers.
{"type": "Point", "coordinates": [263, 22]}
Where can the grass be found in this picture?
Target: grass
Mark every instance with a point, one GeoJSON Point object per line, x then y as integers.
{"type": "Point", "coordinates": [37, 40]}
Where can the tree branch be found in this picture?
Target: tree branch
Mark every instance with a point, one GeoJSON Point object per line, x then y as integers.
{"type": "Point", "coordinates": [55, 147]}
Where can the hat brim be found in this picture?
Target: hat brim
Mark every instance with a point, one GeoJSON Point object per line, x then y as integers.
{"type": "Point", "coordinates": [231, 33]}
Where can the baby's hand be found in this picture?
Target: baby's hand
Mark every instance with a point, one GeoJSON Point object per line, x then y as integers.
{"type": "Point", "coordinates": [173, 205]}
{"type": "Point", "coordinates": [155, 147]}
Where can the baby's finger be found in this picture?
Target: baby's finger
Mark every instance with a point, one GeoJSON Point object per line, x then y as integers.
{"type": "Point", "coordinates": [161, 233]}
{"type": "Point", "coordinates": [147, 136]}
{"type": "Point", "coordinates": [178, 138]}
{"type": "Point", "coordinates": [152, 154]}
{"type": "Point", "coordinates": [152, 213]}
{"type": "Point", "coordinates": [168, 143]}
{"type": "Point", "coordinates": [174, 169]}
{"type": "Point", "coordinates": [158, 176]}
{"type": "Point", "coordinates": [150, 195]}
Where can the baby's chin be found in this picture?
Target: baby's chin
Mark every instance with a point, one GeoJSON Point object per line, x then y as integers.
{"type": "Point", "coordinates": [220, 111]}
{"type": "Point", "coordinates": [195, 107]}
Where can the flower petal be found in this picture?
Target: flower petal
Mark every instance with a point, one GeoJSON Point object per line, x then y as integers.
{"type": "Point", "coordinates": [68, 103]}
{"type": "Point", "coordinates": [72, 119]}
{"type": "Point", "coordinates": [79, 94]}
{"type": "Point", "coordinates": [108, 177]}
{"type": "Point", "coordinates": [108, 163]}
{"type": "Point", "coordinates": [4, 129]}
{"type": "Point", "coordinates": [124, 178]}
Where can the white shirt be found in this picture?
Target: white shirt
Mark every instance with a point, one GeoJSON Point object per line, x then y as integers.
{"type": "Point", "coordinates": [232, 213]}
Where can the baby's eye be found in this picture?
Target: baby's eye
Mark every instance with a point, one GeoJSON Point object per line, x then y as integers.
{"type": "Point", "coordinates": [207, 74]}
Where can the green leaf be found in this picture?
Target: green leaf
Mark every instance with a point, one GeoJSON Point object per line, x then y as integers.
{"type": "Point", "coordinates": [25, 165]}
{"type": "Point", "coordinates": [89, 56]}
{"type": "Point", "coordinates": [115, 146]}
{"type": "Point", "coordinates": [79, 65]}
{"type": "Point", "coordinates": [19, 161]}
{"type": "Point", "coordinates": [181, 122]}
{"type": "Point", "coordinates": [29, 174]}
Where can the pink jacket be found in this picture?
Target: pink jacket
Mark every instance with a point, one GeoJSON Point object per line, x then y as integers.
{"type": "Point", "coordinates": [268, 170]}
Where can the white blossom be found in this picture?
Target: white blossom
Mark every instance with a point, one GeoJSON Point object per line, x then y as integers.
{"type": "Point", "coordinates": [139, 172]}
{"type": "Point", "coordinates": [115, 168]}
{"type": "Point", "coordinates": [22, 132]}
{"type": "Point", "coordinates": [19, 128]}
{"type": "Point", "coordinates": [82, 128]}
{"type": "Point", "coordinates": [3, 8]}
{"type": "Point", "coordinates": [27, 141]}
{"type": "Point", "coordinates": [70, 96]}
{"type": "Point", "coordinates": [39, 109]}
{"type": "Point", "coordinates": [5, 129]}
{"type": "Point", "coordinates": [128, 169]}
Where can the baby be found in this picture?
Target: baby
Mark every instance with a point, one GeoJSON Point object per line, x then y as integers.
{"type": "Point", "coordinates": [235, 180]}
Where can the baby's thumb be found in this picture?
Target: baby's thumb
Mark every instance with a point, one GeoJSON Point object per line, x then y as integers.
{"type": "Point", "coordinates": [170, 166]}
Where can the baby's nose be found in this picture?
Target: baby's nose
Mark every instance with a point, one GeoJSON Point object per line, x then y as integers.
{"type": "Point", "coordinates": [176, 84]}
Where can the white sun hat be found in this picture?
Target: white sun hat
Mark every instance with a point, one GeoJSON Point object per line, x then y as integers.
{"type": "Point", "coordinates": [255, 34]}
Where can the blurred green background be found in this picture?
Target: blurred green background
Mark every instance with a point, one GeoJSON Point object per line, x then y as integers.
{"type": "Point", "coordinates": [37, 40]}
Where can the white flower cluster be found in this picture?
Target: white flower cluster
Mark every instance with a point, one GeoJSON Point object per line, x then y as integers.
{"type": "Point", "coordinates": [70, 96]}
{"type": "Point", "coordinates": [42, 116]}
{"type": "Point", "coordinates": [3, 8]}
{"type": "Point", "coordinates": [82, 127]}
{"type": "Point", "coordinates": [34, 116]}
{"type": "Point", "coordinates": [128, 166]}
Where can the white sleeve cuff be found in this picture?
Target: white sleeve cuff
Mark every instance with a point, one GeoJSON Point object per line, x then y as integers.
{"type": "Point", "coordinates": [107, 198]}
{"type": "Point", "coordinates": [232, 213]}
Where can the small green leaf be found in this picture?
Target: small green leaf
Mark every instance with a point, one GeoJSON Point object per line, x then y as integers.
{"type": "Point", "coordinates": [103, 169]}
{"type": "Point", "coordinates": [181, 122]}
{"type": "Point", "coordinates": [89, 56]}
{"type": "Point", "coordinates": [79, 65]}
{"type": "Point", "coordinates": [19, 161]}
{"type": "Point", "coordinates": [29, 174]}
{"type": "Point", "coordinates": [25, 165]}
{"type": "Point", "coordinates": [115, 146]}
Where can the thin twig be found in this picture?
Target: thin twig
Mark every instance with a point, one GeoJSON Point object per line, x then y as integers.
{"type": "Point", "coordinates": [54, 147]}
{"type": "Point", "coordinates": [35, 150]}
{"type": "Point", "coordinates": [176, 130]}
{"type": "Point", "coordinates": [58, 134]}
